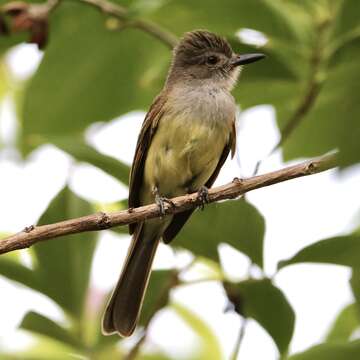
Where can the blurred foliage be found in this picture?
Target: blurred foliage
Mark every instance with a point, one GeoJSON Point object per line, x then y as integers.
{"type": "Point", "coordinates": [207, 341]}
{"type": "Point", "coordinates": [345, 324]}
{"type": "Point", "coordinates": [96, 68]}
{"type": "Point", "coordinates": [265, 303]}
{"type": "Point", "coordinates": [159, 290]}
{"type": "Point", "coordinates": [4, 80]}
{"type": "Point", "coordinates": [227, 219]}
{"type": "Point", "coordinates": [109, 71]}
{"type": "Point", "coordinates": [338, 351]}
{"type": "Point", "coordinates": [77, 147]}
{"type": "Point", "coordinates": [342, 250]}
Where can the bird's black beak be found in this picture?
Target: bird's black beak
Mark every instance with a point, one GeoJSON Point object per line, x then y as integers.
{"type": "Point", "coordinates": [246, 59]}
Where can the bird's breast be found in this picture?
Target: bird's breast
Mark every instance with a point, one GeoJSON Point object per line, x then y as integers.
{"type": "Point", "coordinates": [206, 103]}
{"type": "Point", "coordinates": [187, 144]}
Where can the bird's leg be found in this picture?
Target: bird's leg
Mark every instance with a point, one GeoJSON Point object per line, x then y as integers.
{"type": "Point", "coordinates": [203, 196]}
{"type": "Point", "coordinates": [160, 201]}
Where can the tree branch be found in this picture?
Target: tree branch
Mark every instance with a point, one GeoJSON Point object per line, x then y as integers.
{"type": "Point", "coordinates": [100, 221]}
{"type": "Point", "coordinates": [121, 13]}
{"type": "Point", "coordinates": [239, 339]}
{"type": "Point", "coordinates": [313, 85]}
{"type": "Point", "coordinates": [43, 10]}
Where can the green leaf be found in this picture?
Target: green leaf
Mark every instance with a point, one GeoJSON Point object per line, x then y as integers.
{"type": "Point", "coordinates": [6, 42]}
{"type": "Point", "coordinates": [265, 303]}
{"type": "Point", "coordinates": [341, 250]}
{"type": "Point", "coordinates": [13, 270]}
{"type": "Point", "coordinates": [272, 80]}
{"type": "Point", "coordinates": [76, 147]}
{"type": "Point", "coordinates": [42, 325]}
{"type": "Point", "coordinates": [346, 322]}
{"type": "Point", "coordinates": [110, 352]}
{"type": "Point", "coordinates": [63, 265]}
{"type": "Point", "coordinates": [326, 351]}
{"type": "Point", "coordinates": [4, 79]}
{"type": "Point", "coordinates": [272, 93]}
{"type": "Point", "coordinates": [347, 18]}
{"type": "Point", "coordinates": [235, 222]}
{"type": "Point", "coordinates": [154, 356]}
{"type": "Point", "coordinates": [276, 19]}
{"type": "Point", "coordinates": [355, 286]}
{"type": "Point", "coordinates": [42, 348]}
{"type": "Point", "coordinates": [207, 340]}
{"type": "Point", "coordinates": [321, 129]}
{"type": "Point", "coordinates": [104, 74]}
{"type": "Point", "coordinates": [272, 68]}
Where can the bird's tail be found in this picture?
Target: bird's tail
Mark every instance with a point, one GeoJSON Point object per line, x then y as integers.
{"type": "Point", "coordinates": [123, 309]}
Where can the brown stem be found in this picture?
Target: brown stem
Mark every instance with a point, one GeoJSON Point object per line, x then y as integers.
{"type": "Point", "coordinates": [160, 303]}
{"type": "Point", "coordinates": [313, 86]}
{"type": "Point", "coordinates": [239, 339]}
{"type": "Point", "coordinates": [132, 354]}
{"type": "Point", "coordinates": [122, 14]}
{"type": "Point", "coordinates": [302, 109]}
{"type": "Point", "coordinates": [33, 234]}
{"type": "Point", "coordinates": [159, 33]}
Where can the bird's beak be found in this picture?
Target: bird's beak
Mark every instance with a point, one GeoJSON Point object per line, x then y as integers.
{"type": "Point", "coordinates": [246, 59]}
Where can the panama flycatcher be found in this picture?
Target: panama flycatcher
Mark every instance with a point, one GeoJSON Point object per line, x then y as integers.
{"type": "Point", "coordinates": [184, 141]}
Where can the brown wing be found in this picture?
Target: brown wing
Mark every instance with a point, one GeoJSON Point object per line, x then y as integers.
{"type": "Point", "coordinates": [180, 219]}
{"type": "Point", "coordinates": [146, 134]}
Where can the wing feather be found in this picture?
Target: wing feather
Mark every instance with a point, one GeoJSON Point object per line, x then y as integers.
{"type": "Point", "coordinates": [147, 132]}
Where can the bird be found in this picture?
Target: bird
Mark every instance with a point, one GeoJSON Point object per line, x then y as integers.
{"type": "Point", "coordinates": [184, 141]}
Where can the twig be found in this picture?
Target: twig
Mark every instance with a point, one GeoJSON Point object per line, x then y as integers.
{"type": "Point", "coordinates": [122, 14]}
{"type": "Point", "coordinates": [51, 5]}
{"type": "Point", "coordinates": [312, 91]}
{"type": "Point", "coordinates": [300, 112]}
{"type": "Point", "coordinates": [239, 340]}
{"type": "Point", "coordinates": [156, 31]}
{"type": "Point", "coordinates": [313, 86]}
{"type": "Point", "coordinates": [132, 354]}
{"type": "Point", "coordinates": [160, 303]}
{"type": "Point", "coordinates": [100, 221]}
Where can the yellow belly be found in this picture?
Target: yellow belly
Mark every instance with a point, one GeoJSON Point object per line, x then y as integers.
{"type": "Point", "coordinates": [182, 156]}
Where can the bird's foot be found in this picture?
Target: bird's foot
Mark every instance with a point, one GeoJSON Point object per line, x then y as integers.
{"type": "Point", "coordinates": [161, 201]}
{"type": "Point", "coordinates": [203, 197]}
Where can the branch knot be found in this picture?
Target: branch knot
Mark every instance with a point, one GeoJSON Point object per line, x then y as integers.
{"type": "Point", "coordinates": [28, 229]}
{"type": "Point", "coordinates": [104, 222]}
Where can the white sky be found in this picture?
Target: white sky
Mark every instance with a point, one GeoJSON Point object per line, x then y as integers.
{"type": "Point", "coordinates": [297, 213]}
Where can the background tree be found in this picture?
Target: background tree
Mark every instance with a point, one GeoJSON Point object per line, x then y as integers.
{"type": "Point", "coordinates": [105, 59]}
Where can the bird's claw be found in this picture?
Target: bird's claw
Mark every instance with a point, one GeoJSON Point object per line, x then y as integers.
{"type": "Point", "coordinates": [203, 197]}
{"type": "Point", "coordinates": [160, 201]}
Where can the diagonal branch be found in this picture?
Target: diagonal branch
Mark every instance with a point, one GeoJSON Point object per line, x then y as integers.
{"type": "Point", "coordinates": [239, 339]}
{"type": "Point", "coordinates": [100, 221]}
{"type": "Point", "coordinates": [43, 10]}
{"type": "Point", "coordinates": [121, 13]}
{"type": "Point", "coordinates": [313, 85]}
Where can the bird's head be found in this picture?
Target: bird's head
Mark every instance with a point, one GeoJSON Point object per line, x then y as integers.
{"type": "Point", "coordinates": [203, 55]}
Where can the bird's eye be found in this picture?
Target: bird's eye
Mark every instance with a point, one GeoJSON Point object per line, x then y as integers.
{"type": "Point", "coordinates": [212, 60]}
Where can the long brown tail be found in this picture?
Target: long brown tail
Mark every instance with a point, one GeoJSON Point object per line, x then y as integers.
{"type": "Point", "coordinates": [123, 309]}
